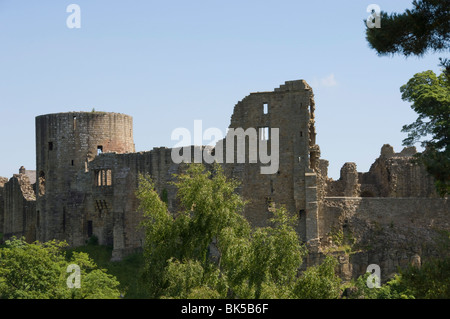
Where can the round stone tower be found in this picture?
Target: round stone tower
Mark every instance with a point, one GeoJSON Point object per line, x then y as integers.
{"type": "Point", "coordinates": [65, 144]}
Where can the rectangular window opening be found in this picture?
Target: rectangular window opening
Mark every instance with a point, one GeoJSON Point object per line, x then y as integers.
{"type": "Point", "coordinates": [103, 177]}
{"type": "Point", "coordinates": [89, 228]}
{"type": "Point", "coordinates": [265, 108]}
{"type": "Point", "coordinates": [108, 178]}
{"type": "Point", "coordinates": [50, 146]}
{"type": "Point", "coordinates": [264, 133]}
{"type": "Point", "coordinates": [99, 149]}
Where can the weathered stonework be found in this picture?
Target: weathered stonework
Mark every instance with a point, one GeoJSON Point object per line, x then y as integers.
{"type": "Point", "coordinates": [3, 181]}
{"type": "Point", "coordinates": [392, 213]}
{"type": "Point", "coordinates": [87, 174]}
{"type": "Point", "coordinates": [66, 143]}
{"type": "Point", "coordinates": [19, 207]}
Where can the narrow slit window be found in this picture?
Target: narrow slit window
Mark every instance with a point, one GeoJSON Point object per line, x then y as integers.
{"type": "Point", "coordinates": [41, 183]}
{"type": "Point", "coordinates": [74, 122]}
{"type": "Point", "coordinates": [89, 228]}
{"type": "Point", "coordinates": [264, 133]}
{"type": "Point", "coordinates": [265, 108]}
{"type": "Point", "coordinates": [108, 178]}
{"type": "Point", "coordinates": [50, 146]}
{"type": "Point", "coordinates": [103, 178]}
{"type": "Point", "coordinates": [98, 178]}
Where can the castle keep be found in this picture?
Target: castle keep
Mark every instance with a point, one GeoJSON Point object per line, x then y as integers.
{"type": "Point", "coordinates": [87, 173]}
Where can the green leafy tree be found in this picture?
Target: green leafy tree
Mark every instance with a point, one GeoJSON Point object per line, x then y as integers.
{"type": "Point", "coordinates": [39, 271]}
{"type": "Point", "coordinates": [209, 207]}
{"type": "Point", "coordinates": [275, 256]}
{"type": "Point", "coordinates": [430, 98]}
{"type": "Point", "coordinates": [430, 281]}
{"type": "Point", "coordinates": [208, 249]}
{"type": "Point", "coordinates": [319, 282]}
{"type": "Point", "coordinates": [393, 289]}
{"type": "Point", "coordinates": [424, 28]}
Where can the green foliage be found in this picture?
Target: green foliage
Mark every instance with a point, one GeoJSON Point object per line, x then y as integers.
{"type": "Point", "coordinates": [38, 270]}
{"type": "Point", "coordinates": [209, 206]}
{"type": "Point", "coordinates": [425, 27]}
{"type": "Point", "coordinates": [208, 248]}
{"type": "Point", "coordinates": [430, 97]}
{"type": "Point", "coordinates": [275, 254]}
{"type": "Point", "coordinates": [319, 282]}
{"type": "Point", "coordinates": [127, 271]}
{"type": "Point", "coordinates": [93, 240]}
{"type": "Point", "coordinates": [337, 236]}
{"type": "Point", "coordinates": [341, 241]}
{"type": "Point", "coordinates": [393, 289]}
{"type": "Point", "coordinates": [188, 280]}
{"type": "Point", "coordinates": [430, 281]}
{"type": "Point", "coordinates": [165, 196]}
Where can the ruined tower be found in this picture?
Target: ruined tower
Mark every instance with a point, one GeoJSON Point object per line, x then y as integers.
{"type": "Point", "coordinates": [65, 144]}
{"type": "Point", "coordinates": [290, 109]}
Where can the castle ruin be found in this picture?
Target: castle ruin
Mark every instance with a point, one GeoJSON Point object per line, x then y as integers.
{"type": "Point", "coordinates": [87, 173]}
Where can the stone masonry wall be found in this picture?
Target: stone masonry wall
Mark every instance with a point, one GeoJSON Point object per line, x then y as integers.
{"type": "Point", "coordinates": [20, 203]}
{"type": "Point", "coordinates": [289, 108]}
{"type": "Point", "coordinates": [66, 143]}
{"type": "Point", "coordinates": [87, 175]}
{"type": "Point", "coordinates": [3, 181]}
{"type": "Point", "coordinates": [389, 232]}
{"type": "Point", "coordinates": [113, 210]}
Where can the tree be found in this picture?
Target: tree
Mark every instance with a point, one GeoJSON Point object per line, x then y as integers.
{"type": "Point", "coordinates": [39, 271]}
{"type": "Point", "coordinates": [319, 282]}
{"type": "Point", "coordinates": [208, 249]}
{"type": "Point", "coordinates": [209, 208]}
{"type": "Point", "coordinates": [424, 28]}
{"type": "Point", "coordinates": [430, 98]}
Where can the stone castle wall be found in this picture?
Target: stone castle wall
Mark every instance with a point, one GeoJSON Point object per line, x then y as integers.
{"type": "Point", "coordinates": [65, 144]}
{"type": "Point", "coordinates": [19, 202]}
{"type": "Point", "coordinates": [392, 213]}
{"type": "Point", "coordinates": [87, 174]}
{"type": "Point", "coordinates": [389, 232]}
{"type": "Point", "coordinates": [290, 109]}
{"type": "Point", "coordinates": [3, 181]}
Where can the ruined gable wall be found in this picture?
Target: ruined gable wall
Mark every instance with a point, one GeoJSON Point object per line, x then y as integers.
{"type": "Point", "coordinates": [20, 208]}
{"type": "Point", "coordinates": [395, 175]}
{"type": "Point", "coordinates": [289, 108]}
{"type": "Point", "coordinates": [391, 175]}
{"type": "Point", "coordinates": [347, 185]}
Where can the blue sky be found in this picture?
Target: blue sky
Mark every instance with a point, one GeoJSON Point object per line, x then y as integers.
{"type": "Point", "coordinates": [168, 63]}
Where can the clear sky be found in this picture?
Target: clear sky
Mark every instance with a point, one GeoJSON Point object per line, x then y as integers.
{"type": "Point", "coordinates": [168, 63]}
